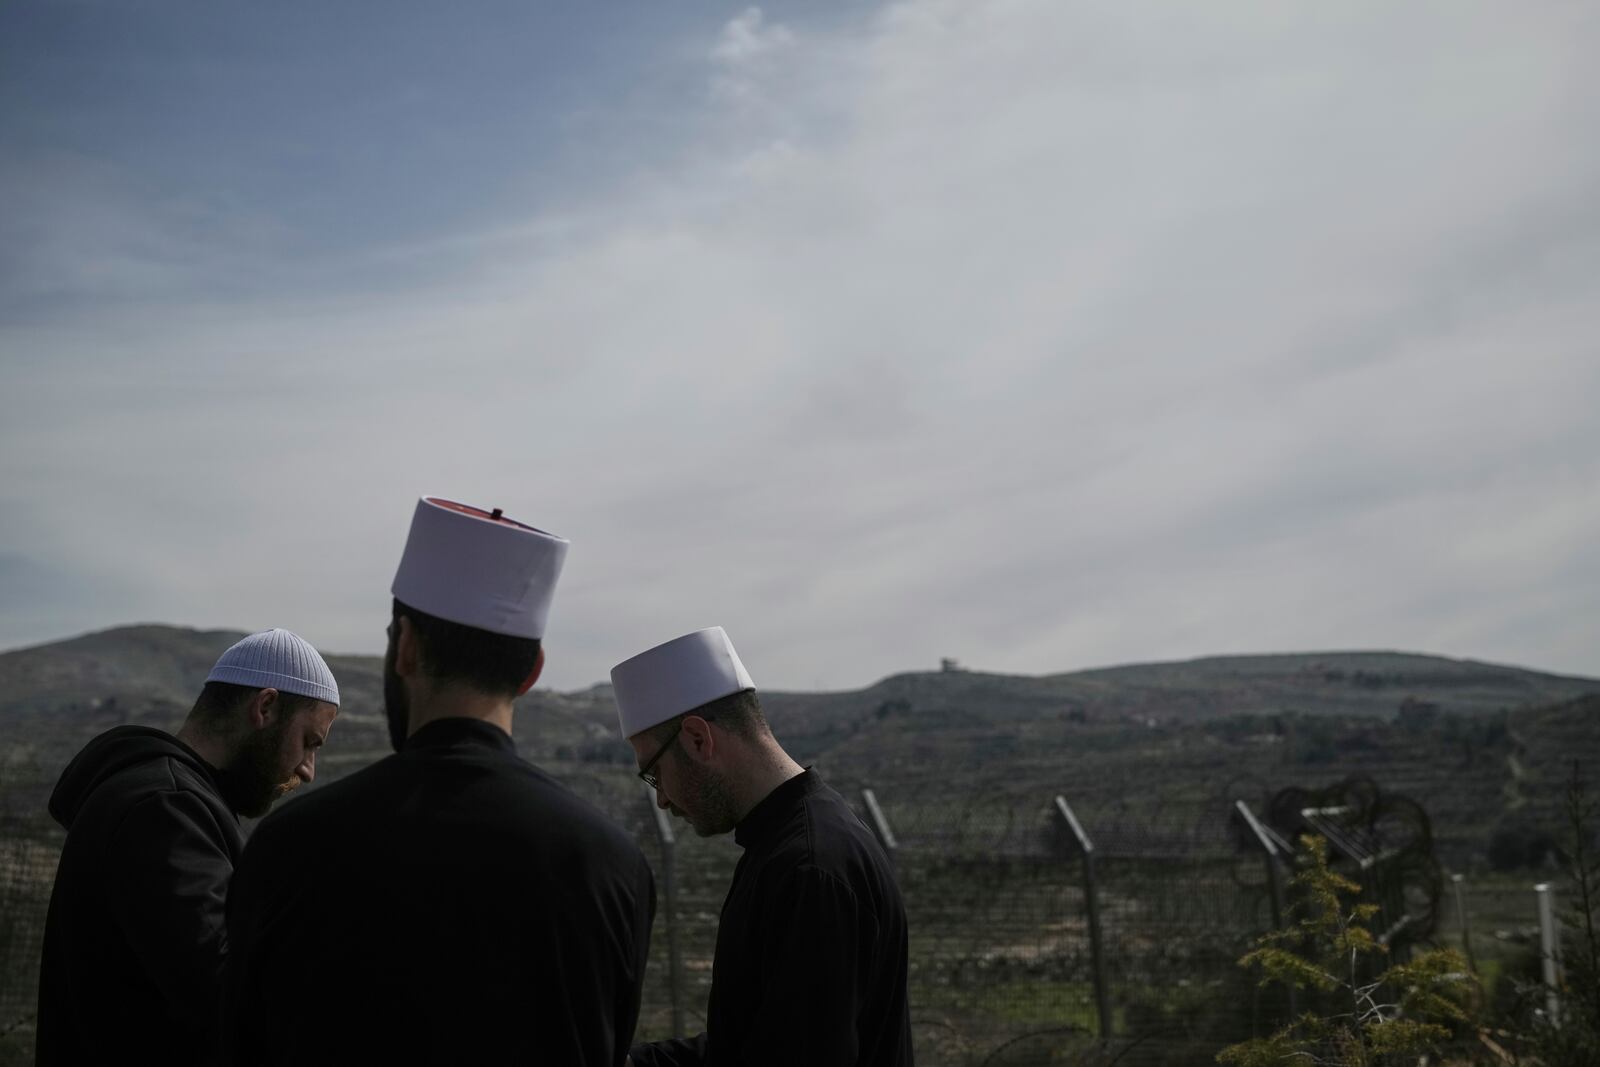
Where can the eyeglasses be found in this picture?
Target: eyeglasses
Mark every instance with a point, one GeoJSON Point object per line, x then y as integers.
{"type": "Point", "coordinates": [647, 773]}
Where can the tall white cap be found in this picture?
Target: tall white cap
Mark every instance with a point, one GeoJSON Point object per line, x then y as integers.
{"type": "Point", "coordinates": [676, 677]}
{"type": "Point", "coordinates": [277, 659]}
{"type": "Point", "coordinates": [478, 568]}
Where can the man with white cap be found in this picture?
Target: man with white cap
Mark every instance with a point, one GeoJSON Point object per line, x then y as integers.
{"type": "Point", "coordinates": [456, 902]}
{"type": "Point", "coordinates": [810, 964]}
{"type": "Point", "coordinates": [134, 942]}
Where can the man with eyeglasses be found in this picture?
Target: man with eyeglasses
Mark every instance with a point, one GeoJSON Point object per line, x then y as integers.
{"type": "Point", "coordinates": [455, 903]}
{"type": "Point", "coordinates": [810, 964]}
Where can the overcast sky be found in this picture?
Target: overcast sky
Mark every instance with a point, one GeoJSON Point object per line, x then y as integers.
{"type": "Point", "coordinates": [1038, 333]}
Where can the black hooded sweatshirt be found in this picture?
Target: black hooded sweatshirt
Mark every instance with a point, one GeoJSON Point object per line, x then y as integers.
{"type": "Point", "coordinates": [135, 938]}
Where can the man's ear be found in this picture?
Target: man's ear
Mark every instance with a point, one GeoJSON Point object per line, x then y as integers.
{"type": "Point", "coordinates": [697, 739]}
{"type": "Point", "coordinates": [406, 653]}
{"type": "Point", "coordinates": [533, 675]}
{"type": "Point", "coordinates": [264, 708]}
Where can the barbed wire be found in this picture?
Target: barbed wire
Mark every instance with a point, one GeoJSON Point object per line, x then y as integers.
{"type": "Point", "coordinates": [1001, 963]}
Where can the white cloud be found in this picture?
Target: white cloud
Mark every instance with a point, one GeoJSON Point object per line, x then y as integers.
{"type": "Point", "coordinates": [745, 54]}
{"type": "Point", "coordinates": [746, 38]}
{"type": "Point", "coordinates": [1042, 334]}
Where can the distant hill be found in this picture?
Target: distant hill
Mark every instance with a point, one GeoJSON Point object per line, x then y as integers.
{"type": "Point", "coordinates": [1329, 683]}
{"type": "Point", "coordinates": [144, 662]}
{"type": "Point", "coordinates": [114, 674]}
{"type": "Point", "coordinates": [1109, 736]}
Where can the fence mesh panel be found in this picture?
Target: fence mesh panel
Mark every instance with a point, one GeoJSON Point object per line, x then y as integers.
{"type": "Point", "coordinates": [1001, 967]}
{"type": "Point", "coordinates": [29, 851]}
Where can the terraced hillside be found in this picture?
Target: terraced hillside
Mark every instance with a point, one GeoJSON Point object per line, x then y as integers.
{"type": "Point", "coordinates": [965, 765]}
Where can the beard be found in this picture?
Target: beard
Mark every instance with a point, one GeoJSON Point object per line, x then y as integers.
{"type": "Point", "coordinates": [710, 809]}
{"type": "Point", "coordinates": [396, 705]}
{"type": "Point", "coordinates": [250, 783]}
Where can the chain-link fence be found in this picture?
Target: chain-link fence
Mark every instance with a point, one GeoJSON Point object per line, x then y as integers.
{"type": "Point", "coordinates": [1032, 940]}
{"type": "Point", "coordinates": [28, 854]}
{"type": "Point", "coordinates": [1044, 934]}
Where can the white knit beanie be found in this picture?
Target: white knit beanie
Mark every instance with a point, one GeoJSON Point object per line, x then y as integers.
{"type": "Point", "coordinates": [277, 659]}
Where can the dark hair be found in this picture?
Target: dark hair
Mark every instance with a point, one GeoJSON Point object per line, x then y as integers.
{"type": "Point", "coordinates": [219, 701]}
{"type": "Point", "coordinates": [496, 664]}
{"type": "Point", "coordinates": [737, 713]}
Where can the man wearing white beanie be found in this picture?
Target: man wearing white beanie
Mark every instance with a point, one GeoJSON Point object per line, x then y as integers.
{"type": "Point", "coordinates": [462, 905]}
{"type": "Point", "coordinates": [134, 943]}
{"type": "Point", "coordinates": [810, 965]}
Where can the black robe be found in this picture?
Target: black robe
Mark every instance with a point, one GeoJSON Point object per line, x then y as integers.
{"type": "Point", "coordinates": [134, 940]}
{"type": "Point", "coordinates": [449, 904]}
{"type": "Point", "coordinates": [810, 964]}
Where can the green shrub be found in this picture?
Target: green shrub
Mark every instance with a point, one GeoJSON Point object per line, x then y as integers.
{"type": "Point", "coordinates": [1360, 1019]}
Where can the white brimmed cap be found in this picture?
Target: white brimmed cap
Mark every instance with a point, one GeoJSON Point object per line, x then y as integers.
{"type": "Point", "coordinates": [676, 677]}
{"type": "Point", "coordinates": [277, 659]}
{"type": "Point", "coordinates": [479, 568]}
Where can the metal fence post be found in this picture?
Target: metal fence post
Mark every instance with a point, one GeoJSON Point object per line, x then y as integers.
{"type": "Point", "coordinates": [1549, 952]}
{"type": "Point", "coordinates": [1461, 919]}
{"type": "Point", "coordinates": [1092, 906]}
{"type": "Point", "coordinates": [1273, 848]}
{"type": "Point", "coordinates": [669, 891]}
{"type": "Point", "coordinates": [880, 827]}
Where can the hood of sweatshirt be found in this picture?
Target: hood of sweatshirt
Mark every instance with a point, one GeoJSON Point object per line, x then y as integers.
{"type": "Point", "coordinates": [111, 752]}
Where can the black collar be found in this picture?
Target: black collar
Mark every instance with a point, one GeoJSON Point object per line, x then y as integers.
{"type": "Point", "coordinates": [775, 808]}
{"type": "Point", "coordinates": [441, 733]}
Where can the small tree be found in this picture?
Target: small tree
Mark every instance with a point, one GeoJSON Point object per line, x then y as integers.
{"type": "Point", "coordinates": [1405, 1010]}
